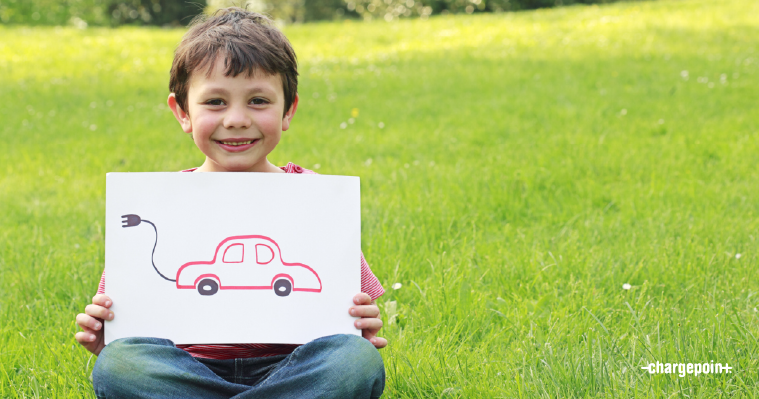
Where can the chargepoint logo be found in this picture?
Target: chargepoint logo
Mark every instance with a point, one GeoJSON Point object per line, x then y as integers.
{"type": "Point", "coordinates": [683, 369]}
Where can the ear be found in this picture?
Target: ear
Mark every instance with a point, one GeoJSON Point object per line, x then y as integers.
{"type": "Point", "coordinates": [290, 114]}
{"type": "Point", "coordinates": [182, 117]}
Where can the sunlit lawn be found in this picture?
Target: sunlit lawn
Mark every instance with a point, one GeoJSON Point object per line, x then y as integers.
{"type": "Point", "coordinates": [517, 170]}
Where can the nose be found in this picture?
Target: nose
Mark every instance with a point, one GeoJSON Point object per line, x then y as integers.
{"type": "Point", "coordinates": [237, 117]}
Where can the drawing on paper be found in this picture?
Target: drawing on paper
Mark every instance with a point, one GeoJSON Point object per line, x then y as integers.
{"type": "Point", "coordinates": [249, 262]}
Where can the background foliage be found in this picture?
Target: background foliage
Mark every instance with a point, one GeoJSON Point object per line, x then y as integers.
{"type": "Point", "coordinates": [517, 170]}
{"type": "Point", "coordinates": [83, 13]}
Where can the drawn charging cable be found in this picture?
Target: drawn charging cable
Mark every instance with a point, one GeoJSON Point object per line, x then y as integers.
{"type": "Point", "coordinates": [134, 220]}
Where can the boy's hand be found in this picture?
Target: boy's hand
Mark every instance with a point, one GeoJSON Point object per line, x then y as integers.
{"type": "Point", "coordinates": [91, 321]}
{"type": "Point", "coordinates": [369, 323]}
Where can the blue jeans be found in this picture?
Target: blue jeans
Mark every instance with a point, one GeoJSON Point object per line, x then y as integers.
{"type": "Point", "coordinates": [338, 366]}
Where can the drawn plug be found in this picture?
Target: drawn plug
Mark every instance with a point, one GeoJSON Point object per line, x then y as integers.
{"type": "Point", "coordinates": [135, 220]}
{"type": "Point", "coordinates": [130, 220]}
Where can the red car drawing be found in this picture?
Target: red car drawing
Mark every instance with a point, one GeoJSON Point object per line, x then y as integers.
{"type": "Point", "coordinates": [248, 263]}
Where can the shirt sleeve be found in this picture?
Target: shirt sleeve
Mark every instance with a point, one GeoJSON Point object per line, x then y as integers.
{"type": "Point", "coordinates": [101, 286]}
{"type": "Point", "coordinates": [369, 282]}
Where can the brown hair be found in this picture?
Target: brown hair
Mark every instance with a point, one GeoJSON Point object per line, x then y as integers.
{"type": "Point", "coordinates": [248, 42]}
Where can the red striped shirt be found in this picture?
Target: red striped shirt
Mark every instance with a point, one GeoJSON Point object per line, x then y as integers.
{"type": "Point", "coordinates": [369, 284]}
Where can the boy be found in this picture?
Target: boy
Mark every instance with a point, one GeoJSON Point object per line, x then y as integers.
{"type": "Point", "coordinates": [234, 90]}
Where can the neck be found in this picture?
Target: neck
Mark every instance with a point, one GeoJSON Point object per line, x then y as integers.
{"type": "Point", "coordinates": [264, 166]}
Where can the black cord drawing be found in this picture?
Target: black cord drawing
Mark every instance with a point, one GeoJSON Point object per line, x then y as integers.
{"type": "Point", "coordinates": [134, 220]}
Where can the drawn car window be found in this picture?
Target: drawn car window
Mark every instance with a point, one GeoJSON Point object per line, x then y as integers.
{"type": "Point", "coordinates": [233, 254]}
{"type": "Point", "coordinates": [264, 254]}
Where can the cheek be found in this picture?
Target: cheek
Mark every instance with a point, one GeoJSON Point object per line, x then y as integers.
{"type": "Point", "coordinates": [270, 123]}
{"type": "Point", "coordinates": [204, 126]}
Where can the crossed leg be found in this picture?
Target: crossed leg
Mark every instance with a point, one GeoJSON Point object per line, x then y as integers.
{"type": "Point", "coordinates": [338, 366]}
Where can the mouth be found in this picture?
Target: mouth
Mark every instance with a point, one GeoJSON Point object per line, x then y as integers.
{"type": "Point", "coordinates": [237, 145]}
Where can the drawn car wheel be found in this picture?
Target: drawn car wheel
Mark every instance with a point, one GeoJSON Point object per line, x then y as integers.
{"type": "Point", "coordinates": [283, 287]}
{"type": "Point", "coordinates": [208, 286]}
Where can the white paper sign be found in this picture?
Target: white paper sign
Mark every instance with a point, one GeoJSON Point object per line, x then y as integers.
{"type": "Point", "coordinates": [205, 258]}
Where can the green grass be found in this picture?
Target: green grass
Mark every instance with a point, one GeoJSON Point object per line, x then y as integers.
{"type": "Point", "coordinates": [530, 164]}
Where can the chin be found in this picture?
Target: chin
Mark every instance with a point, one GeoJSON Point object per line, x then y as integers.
{"type": "Point", "coordinates": [238, 167]}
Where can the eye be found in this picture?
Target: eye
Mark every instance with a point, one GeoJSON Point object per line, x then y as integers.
{"type": "Point", "coordinates": [259, 101]}
{"type": "Point", "coordinates": [215, 101]}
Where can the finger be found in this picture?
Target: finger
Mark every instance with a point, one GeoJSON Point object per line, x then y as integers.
{"type": "Point", "coordinates": [365, 311]}
{"type": "Point", "coordinates": [368, 324]}
{"type": "Point", "coordinates": [102, 300]}
{"type": "Point", "coordinates": [85, 338]}
{"type": "Point", "coordinates": [91, 331]}
{"type": "Point", "coordinates": [362, 299]}
{"type": "Point", "coordinates": [99, 312]}
{"type": "Point", "coordinates": [88, 322]}
{"type": "Point", "coordinates": [378, 342]}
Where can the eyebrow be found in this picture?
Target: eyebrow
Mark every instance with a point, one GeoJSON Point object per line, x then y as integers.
{"type": "Point", "coordinates": [223, 91]}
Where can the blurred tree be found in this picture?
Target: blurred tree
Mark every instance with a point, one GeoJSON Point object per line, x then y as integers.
{"type": "Point", "coordinates": [154, 12]}
{"type": "Point", "coordinates": [315, 10]}
{"type": "Point", "coordinates": [82, 13]}
{"type": "Point", "coordinates": [287, 11]}
{"type": "Point", "coordinates": [54, 12]}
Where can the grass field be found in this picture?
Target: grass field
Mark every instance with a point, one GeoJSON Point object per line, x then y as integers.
{"type": "Point", "coordinates": [517, 170]}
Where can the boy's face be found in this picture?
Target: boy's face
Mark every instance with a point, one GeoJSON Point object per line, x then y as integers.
{"type": "Point", "coordinates": [235, 121]}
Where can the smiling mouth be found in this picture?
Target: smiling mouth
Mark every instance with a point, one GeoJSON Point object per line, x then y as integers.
{"type": "Point", "coordinates": [236, 143]}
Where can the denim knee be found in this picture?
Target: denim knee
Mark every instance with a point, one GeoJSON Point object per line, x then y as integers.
{"type": "Point", "coordinates": [123, 359]}
{"type": "Point", "coordinates": [353, 360]}
{"type": "Point", "coordinates": [121, 354]}
{"type": "Point", "coordinates": [362, 351]}
{"type": "Point", "coordinates": [155, 368]}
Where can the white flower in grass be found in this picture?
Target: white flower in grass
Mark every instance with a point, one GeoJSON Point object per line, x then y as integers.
{"type": "Point", "coordinates": [626, 286]}
{"type": "Point", "coordinates": [737, 256]}
{"type": "Point", "coordinates": [397, 286]}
